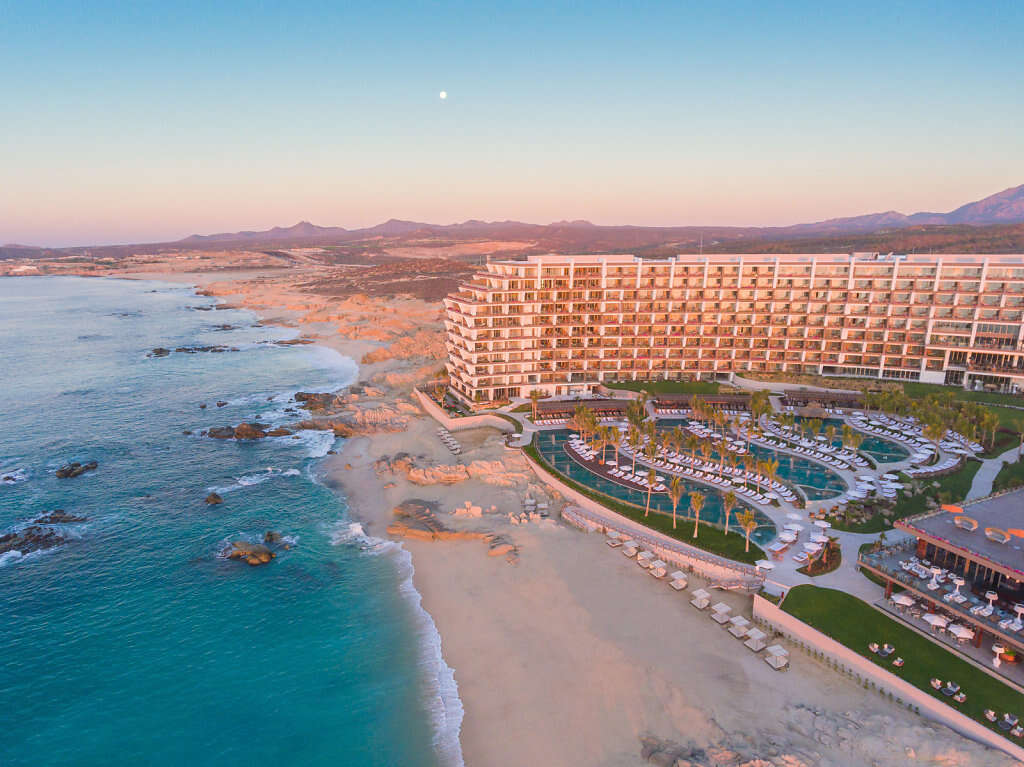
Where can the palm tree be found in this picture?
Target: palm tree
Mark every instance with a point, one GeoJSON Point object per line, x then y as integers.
{"type": "Point", "coordinates": [634, 442]}
{"type": "Point", "coordinates": [772, 469]}
{"type": "Point", "coordinates": [990, 422]}
{"type": "Point", "coordinates": [934, 431]}
{"type": "Point", "coordinates": [535, 396]}
{"type": "Point", "coordinates": [748, 523]}
{"type": "Point", "coordinates": [830, 433]}
{"type": "Point", "coordinates": [696, 503]}
{"type": "Point", "coordinates": [759, 469]}
{"type": "Point", "coordinates": [1019, 426]}
{"type": "Point", "coordinates": [650, 486]}
{"type": "Point", "coordinates": [729, 502]}
{"type": "Point", "coordinates": [675, 492]}
{"type": "Point", "coordinates": [601, 437]}
{"type": "Point", "coordinates": [692, 444]}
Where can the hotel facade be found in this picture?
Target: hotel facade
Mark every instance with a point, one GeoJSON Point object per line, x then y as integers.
{"type": "Point", "coordinates": [565, 324]}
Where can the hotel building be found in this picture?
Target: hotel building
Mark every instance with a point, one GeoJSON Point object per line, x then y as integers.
{"type": "Point", "coordinates": [564, 324]}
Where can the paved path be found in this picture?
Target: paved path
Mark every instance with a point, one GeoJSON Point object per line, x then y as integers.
{"type": "Point", "coordinates": [982, 484]}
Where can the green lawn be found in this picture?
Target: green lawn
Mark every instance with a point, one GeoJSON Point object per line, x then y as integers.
{"type": "Point", "coordinates": [667, 387]}
{"type": "Point", "coordinates": [527, 408]}
{"type": "Point", "coordinates": [856, 624]}
{"type": "Point", "coordinates": [955, 485]}
{"type": "Point", "coordinates": [711, 539]}
{"type": "Point", "coordinates": [916, 390]}
{"type": "Point", "coordinates": [1010, 476]}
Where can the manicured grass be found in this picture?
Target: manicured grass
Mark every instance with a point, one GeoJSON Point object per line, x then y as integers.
{"type": "Point", "coordinates": [835, 559]}
{"type": "Point", "coordinates": [856, 624]}
{"type": "Point", "coordinates": [667, 387]}
{"type": "Point", "coordinates": [711, 539]}
{"type": "Point", "coordinates": [511, 420]}
{"type": "Point", "coordinates": [1003, 442]}
{"type": "Point", "coordinates": [527, 408]}
{"type": "Point", "coordinates": [956, 485]}
{"type": "Point", "coordinates": [916, 390]}
{"type": "Point", "coordinates": [1010, 476]}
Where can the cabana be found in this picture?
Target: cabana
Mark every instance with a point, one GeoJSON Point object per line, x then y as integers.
{"type": "Point", "coordinates": [677, 580]}
{"type": "Point", "coordinates": [645, 558]}
{"type": "Point", "coordinates": [756, 639]}
{"type": "Point", "coordinates": [701, 599]}
{"type": "Point", "coordinates": [903, 599]}
{"type": "Point", "coordinates": [629, 548]}
{"type": "Point", "coordinates": [720, 613]}
{"type": "Point", "coordinates": [658, 568]}
{"type": "Point", "coordinates": [613, 539]}
{"type": "Point", "coordinates": [777, 657]}
{"type": "Point", "coordinates": [739, 626]}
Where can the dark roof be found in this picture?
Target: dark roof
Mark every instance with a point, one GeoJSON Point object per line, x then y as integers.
{"type": "Point", "coordinates": [569, 405]}
{"type": "Point", "coordinates": [711, 399]}
{"type": "Point", "coordinates": [1005, 512]}
{"type": "Point", "coordinates": [837, 397]}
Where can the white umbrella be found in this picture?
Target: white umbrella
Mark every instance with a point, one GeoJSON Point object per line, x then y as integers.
{"type": "Point", "coordinates": [787, 537]}
{"type": "Point", "coordinates": [961, 632]}
{"type": "Point", "coordinates": [903, 599]}
{"type": "Point", "coordinates": [936, 620]}
{"type": "Point", "coordinates": [812, 547]}
{"type": "Point", "coordinates": [865, 478]}
{"type": "Point", "coordinates": [794, 526]}
{"type": "Point", "coordinates": [764, 564]}
{"type": "Point", "coordinates": [890, 476]}
{"type": "Point", "coordinates": [819, 538]}
{"type": "Point", "coordinates": [823, 524]}
{"type": "Point", "coordinates": [611, 463]}
{"type": "Point", "coordinates": [794, 516]}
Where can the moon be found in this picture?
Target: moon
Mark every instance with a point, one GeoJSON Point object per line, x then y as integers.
{"type": "Point", "coordinates": [443, 95]}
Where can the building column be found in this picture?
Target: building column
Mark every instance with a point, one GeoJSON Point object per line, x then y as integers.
{"type": "Point", "coordinates": [888, 589]}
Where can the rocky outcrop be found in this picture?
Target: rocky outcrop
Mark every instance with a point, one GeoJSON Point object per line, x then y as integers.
{"type": "Point", "coordinates": [59, 517]}
{"type": "Point", "coordinates": [422, 343]}
{"type": "Point", "coordinates": [216, 349]}
{"type": "Point", "coordinates": [76, 469]}
{"type": "Point", "coordinates": [254, 554]}
{"type": "Point", "coordinates": [242, 431]}
{"type": "Point", "coordinates": [30, 539]}
{"type": "Point", "coordinates": [213, 499]}
{"type": "Point", "coordinates": [492, 472]}
{"type": "Point", "coordinates": [320, 402]}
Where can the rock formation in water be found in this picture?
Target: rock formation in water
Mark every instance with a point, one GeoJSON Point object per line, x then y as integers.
{"type": "Point", "coordinates": [75, 469]}
{"type": "Point", "coordinates": [213, 499]}
{"type": "Point", "coordinates": [59, 517]}
{"type": "Point", "coordinates": [30, 539]}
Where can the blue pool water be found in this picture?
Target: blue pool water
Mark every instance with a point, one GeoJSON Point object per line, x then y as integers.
{"type": "Point", "coordinates": [134, 642]}
{"type": "Point", "coordinates": [879, 449]}
{"type": "Point", "coordinates": [815, 480]}
{"type": "Point", "coordinates": [552, 446]}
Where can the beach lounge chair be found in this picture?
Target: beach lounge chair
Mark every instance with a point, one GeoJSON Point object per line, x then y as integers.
{"type": "Point", "coordinates": [701, 599]}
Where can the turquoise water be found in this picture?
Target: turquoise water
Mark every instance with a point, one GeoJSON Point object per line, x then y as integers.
{"type": "Point", "coordinates": [881, 450]}
{"type": "Point", "coordinates": [552, 446]}
{"type": "Point", "coordinates": [135, 642]}
{"type": "Point", "coordinates": [815, 480]}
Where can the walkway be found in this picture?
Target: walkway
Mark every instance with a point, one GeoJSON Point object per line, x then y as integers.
{"type": "Point", "coordinates": [982, 484]}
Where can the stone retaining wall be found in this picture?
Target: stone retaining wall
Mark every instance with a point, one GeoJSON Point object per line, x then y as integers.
{"type": "Point", "coordinates": [461, 423]}
{"type": "Point", "coordinates": [872, 676]}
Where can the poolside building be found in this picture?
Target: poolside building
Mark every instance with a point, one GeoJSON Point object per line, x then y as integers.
{"type": "Point", "coordinates": [966, 562]}
{"type": "Point", "coordinates": [565, 324]}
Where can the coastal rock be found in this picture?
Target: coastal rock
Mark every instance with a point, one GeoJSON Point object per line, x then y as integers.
{"type": "Point", "coordinates": [272, 536]}
{"type": "Point", "coordinates": [242, 431]}
{"type": "Point", "coordinates": [30, 539]}
{"type": "Point", "coordinates": [202, 406]}
{"type": "Point", "coordinates": [75, 469]}
{"type": "Point", "coordinates": [319, 402]}
{"type": "Point", "coordinates": [159, 352]}
{"type": "Point", "coordinates": [59, 517]}
{"type": "Point", "coordinates": [280, 431]}
{"type": "Point", "coordinates": [213, 499]}
{"type": "Point", "coordinates": [221, 403]}
{"type": "Point", "coordinates": [252, 553]}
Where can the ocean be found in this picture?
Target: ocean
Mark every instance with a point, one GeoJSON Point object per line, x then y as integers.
{"type": "Point", "coordinates": [135, 640]}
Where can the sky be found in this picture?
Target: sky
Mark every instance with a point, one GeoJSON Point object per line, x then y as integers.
{"type": "Point", "coordinates": [149, 121]}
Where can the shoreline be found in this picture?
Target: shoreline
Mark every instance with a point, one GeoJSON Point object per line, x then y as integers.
{"type": "Point", "coordinates": [568, 653]}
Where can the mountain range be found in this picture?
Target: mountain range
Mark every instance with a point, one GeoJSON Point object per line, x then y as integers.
{"type": "Point", "coordinates": [1006, 207]}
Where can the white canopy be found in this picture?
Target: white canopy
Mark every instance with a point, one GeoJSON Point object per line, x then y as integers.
{"type": "Point", "coordinates": [794, 526]}
{"type": "Point", "coordinates": [812, 547]}
{"type": "Point", "coordinates": [961, 632]}
{"type": "Point", "coordinates": [721, 607]}
{"type": "Point", "coordinates": [739, 620]}
{"type": "Point", "coordinates": [903, 599]}
{"type": "Point", "coordinates": [823, 524]}
{"type": "Point", "coordinates": [819, 538]}
{"type": "Point", "coordinates": [701, 594]}
{"type": "Point", "coordinates": [764, 564]}
{"type": "Point", "coordinates": [794, 516]}
{"type": "Point", "coordinates": [936, 620]}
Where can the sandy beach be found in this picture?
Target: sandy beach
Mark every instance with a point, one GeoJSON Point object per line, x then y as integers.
{"type": "Point", "coordinates": [564, 651]}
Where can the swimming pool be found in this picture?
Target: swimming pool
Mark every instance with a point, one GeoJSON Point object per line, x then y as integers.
{"type": "Point", "coordinates": [878, 449]}
{"type": "Point", "coordinates": [551, 445]}
{"type": "Point", "coordinates": [816, 481]}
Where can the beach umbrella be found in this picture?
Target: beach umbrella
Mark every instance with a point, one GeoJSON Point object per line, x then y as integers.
{"type": "Point", "coordinates": [935, 620]}
{"type": "Point", "coordinates": [903, 599]}
{"type": "Point", "coordinates": [794, 526]}
{"type": "Point", "coordinates": [819, 538]}
{"type": "Point", "coordinates": [794, 516]}
{"type": "Point", "coordinates": [890, 476]}
{"type": "Point", "coordinates": [764, 564]}
{"type": "Point", "coordinates": [812, 547]}
{"type": "Point", "coordinates": [823, 524]}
